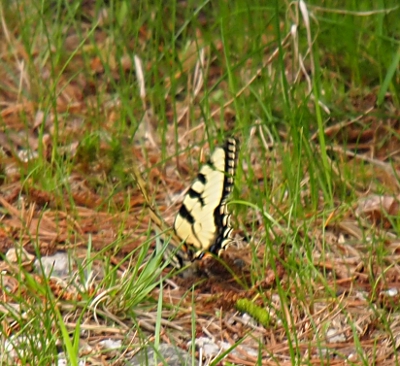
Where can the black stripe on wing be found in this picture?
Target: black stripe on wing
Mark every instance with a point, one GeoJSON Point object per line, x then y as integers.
{"type": "Point", "coordinates": [184, 212]}
{"type": "Point", "coordinates": [221, 212]}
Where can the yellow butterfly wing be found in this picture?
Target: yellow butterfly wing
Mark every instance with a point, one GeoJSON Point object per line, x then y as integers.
{"type": "Point", "coordinates": [203, 221]}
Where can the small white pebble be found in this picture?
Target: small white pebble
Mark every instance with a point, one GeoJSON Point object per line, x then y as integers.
{"type": "Point", "coordinates": [333, 336]}
{"type": "Point", "coordinates": [391, 292]}
{"type": "Point", "coordinates": [110, 344]}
